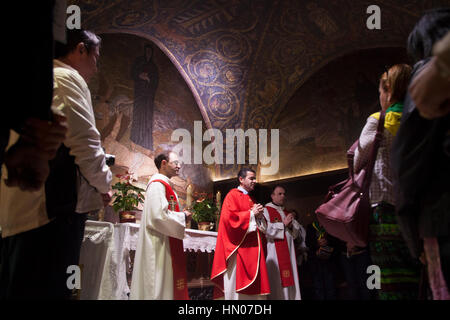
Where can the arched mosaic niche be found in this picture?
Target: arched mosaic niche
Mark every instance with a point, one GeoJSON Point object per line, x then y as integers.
{"type": "Point", "coordinates": [139, 99]}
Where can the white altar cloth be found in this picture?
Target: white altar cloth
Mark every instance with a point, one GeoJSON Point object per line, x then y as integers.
{"type": "Point", "coordinates": [96, 258]}
{"type": "Point", "coordinates": [105, 257]}
{"type": "Point", "coordinates": [196, 240]}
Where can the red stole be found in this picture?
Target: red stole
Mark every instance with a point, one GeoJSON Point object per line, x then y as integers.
{"type": "Point", "coordinates": [232, 238]}
{"type": "Point", "coordinates": [282, 249]}
{"type": "Point", "coordinates": [180, 291]}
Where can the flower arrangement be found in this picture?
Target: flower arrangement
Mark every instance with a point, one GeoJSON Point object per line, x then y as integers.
{"type": "Point", "coordinates": [204, 209]}
{"type": "Point", "coordinates": [127, 196]}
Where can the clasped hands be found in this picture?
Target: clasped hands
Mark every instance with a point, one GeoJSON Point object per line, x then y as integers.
{"type": "Point", "coordinates": [27, 160]}
{"type": "Point", "coordinates": [144, 76]}
{"type": "Point", "coordinates": [289, 218]}
{"type": "Point", "coordinates": [258, 210]}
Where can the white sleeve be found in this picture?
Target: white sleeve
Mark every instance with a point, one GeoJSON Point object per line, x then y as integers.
{"type": "Point", "coordinates": [302, 235]}
{"type": "Point", "coordinates": [252, 225]}
{"type": "Point", "coordinates": [158, 215]}
{"type": "Point", "coordinates": [362, 152]}
{"type": "Point", "coordinates": [295, 230]}
{"type": "Point", "coordinates": [274, 230]}
{"type": "Point", "coordinates": [261, 223]}
{"type": "Point", "coordinates": [83, 139]}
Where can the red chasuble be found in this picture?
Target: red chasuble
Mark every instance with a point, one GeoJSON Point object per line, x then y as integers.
{"type": "Point", "coordinates": [180, 291]}
{"type": "Point", "coordinates": [251, 271]}
{"type": "Point", "coordinates": [282, 249]}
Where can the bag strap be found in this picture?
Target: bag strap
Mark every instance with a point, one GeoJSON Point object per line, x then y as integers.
{"type": "Point", "coordinates": [350, 158]}
{"type": "Point", "coordinates": [373, 153]}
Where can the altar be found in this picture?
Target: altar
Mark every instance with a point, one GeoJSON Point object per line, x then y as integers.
{"type": "Point", "coordinates": [107, 255]}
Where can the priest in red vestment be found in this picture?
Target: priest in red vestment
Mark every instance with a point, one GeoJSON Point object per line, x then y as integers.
{"type": "Point", "coordinates": [239, 266]}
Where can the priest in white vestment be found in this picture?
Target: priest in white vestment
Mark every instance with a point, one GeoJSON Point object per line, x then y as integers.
{"type": "Point", "coordinates": [282, 229]}
{"type": "Point", "coordinates": [153, 276]}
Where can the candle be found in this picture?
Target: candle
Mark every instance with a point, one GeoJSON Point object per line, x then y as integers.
{"type": "Point", "coordinates": [218, 204]}
{"type": "Point", "coordinates": [218, 197]}
{"type": "Point", "coordinates": [189, 196]}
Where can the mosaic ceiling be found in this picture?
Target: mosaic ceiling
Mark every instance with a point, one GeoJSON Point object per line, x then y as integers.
{"type": "Point", "coordinates": [244, 60]}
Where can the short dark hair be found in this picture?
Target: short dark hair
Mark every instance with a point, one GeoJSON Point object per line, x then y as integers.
{"type": "Point", "coordinates": [160, 157]}
{"type": "Point", "coordinates": [277, 186]}
{"type": "Point", "coordinates": [73, 38]}
{"type": "Point", "coordinates": [243, 173]}
{"type": "Point", "coordinates": [431, 27]}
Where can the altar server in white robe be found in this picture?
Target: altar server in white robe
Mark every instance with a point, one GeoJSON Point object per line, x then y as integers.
{"type": "Point", "coordinates": [159, 271]}
{"type": "Point", "coordinates": [282, 229]}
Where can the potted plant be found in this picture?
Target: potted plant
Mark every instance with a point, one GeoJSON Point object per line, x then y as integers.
{"type": "Point", "coordinates": [127, 197]}
{"type": "Point", "coordinates": [204, 211]}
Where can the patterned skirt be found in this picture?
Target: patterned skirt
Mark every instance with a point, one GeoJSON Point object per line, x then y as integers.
{"type": "Point", "coordinates": [400, 273]}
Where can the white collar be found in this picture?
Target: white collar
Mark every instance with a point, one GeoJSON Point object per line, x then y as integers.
{"type": "Point", "coordinates": [243, 190]}
{"type": "Point", "coordinates": [275, 206]}
{"type": "Point", "coordinates": [59, 64]}
{"type": "Point", "coordinates": [159, 176]}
